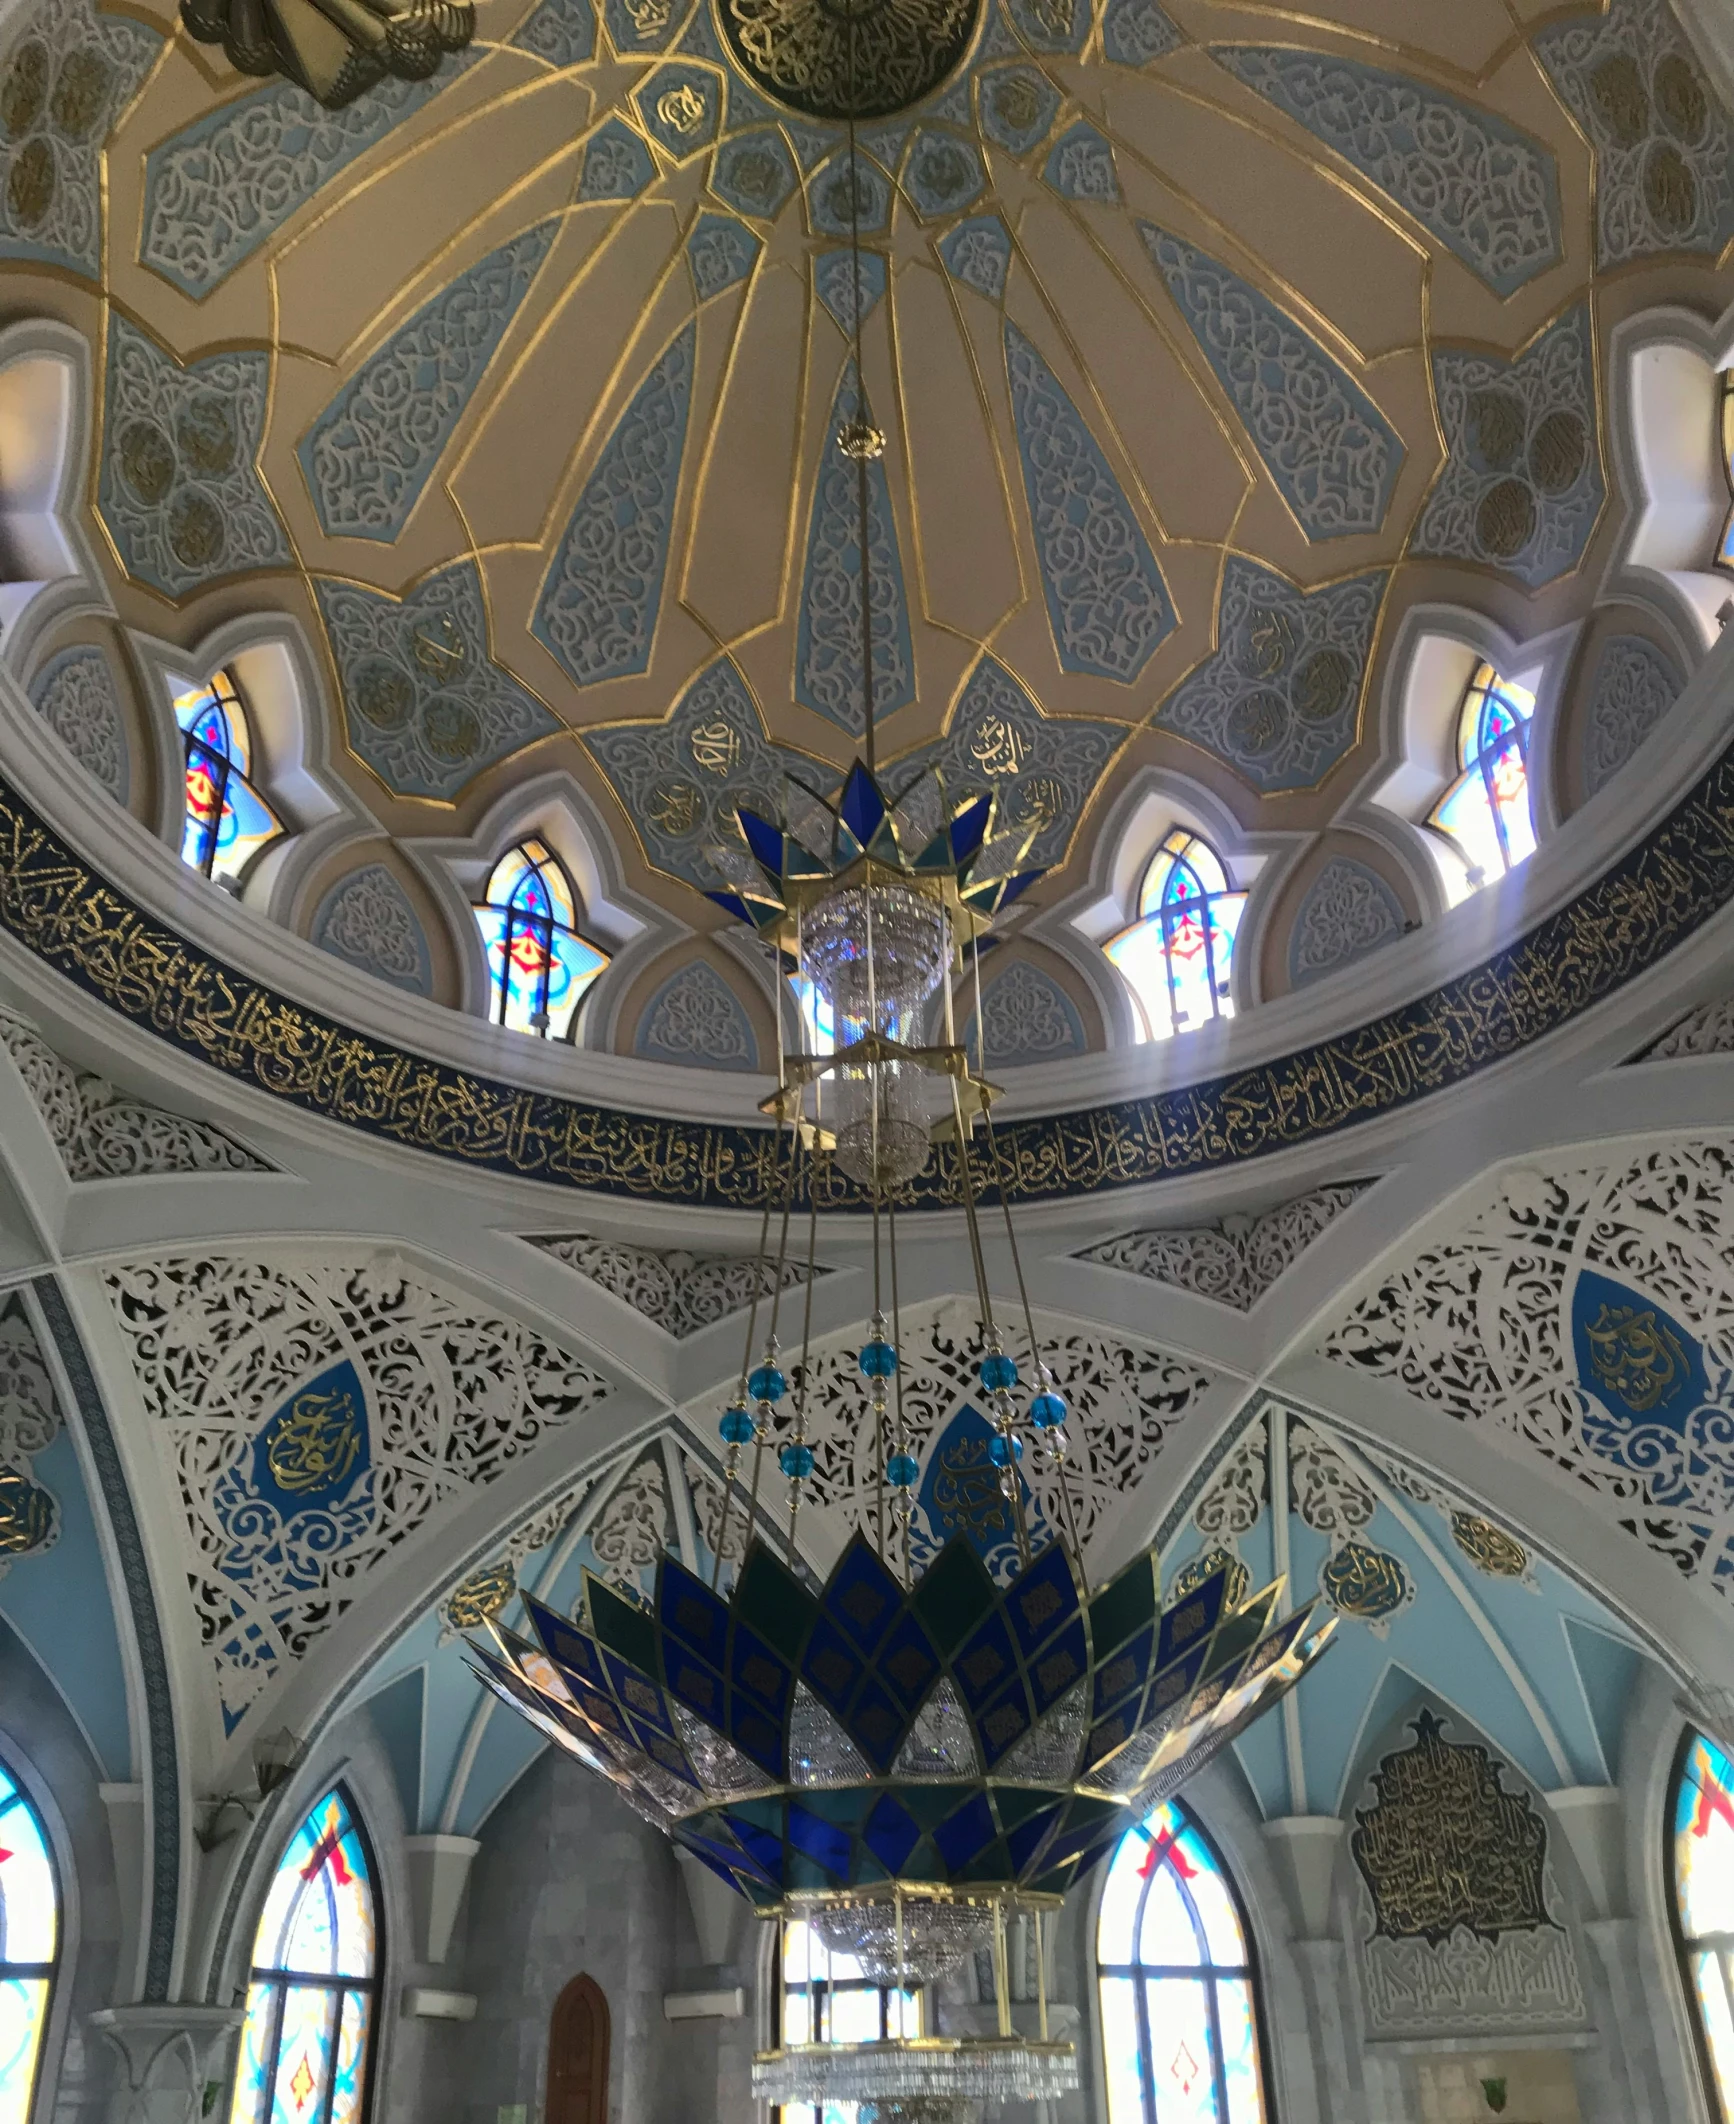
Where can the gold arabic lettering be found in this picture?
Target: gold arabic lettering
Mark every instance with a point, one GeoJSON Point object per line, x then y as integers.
{"type": "Point", "coordinates": [1636, 1356]}
{"type": "Point", "coordinates": [315, 1443]}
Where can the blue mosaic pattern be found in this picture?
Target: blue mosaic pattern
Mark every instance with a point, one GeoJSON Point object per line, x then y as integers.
{"type": "Point", "coordinates": [696, 1020]}
{"type": "Point", "coordinates": [371, 453]}
{"type": "Point", "coordinates": [753, 174]}
{"type": "Point", "coordinates": [837, 288]}
{"type": "Point", "coordinates": [1080, 165]}
{"type": "Point", "coordinates": [51, 163]}
{"type": "Point", "coordinates": [978, 253]}
{"type": "Point", "coordinates": [617, 164]}
{"type": "Point", "coordinates": [366, 919]}
{"type": "Point", "coordinates": [1043, 770]}
{"type": "Point", "coordinates": [642, 25]}
{"type": "Point", "coordinates": [680, 106]}
{"type": "Point", "coordinates": [719, 255]}
{"type": "Point", "coordinates": [561, 31]}
{"type": "Point", "coordinates": [1348, 911]}
{"type": "Point", "coordinates": [1051, 25]}
{"type": "Point", "coordinates": [1018, 105]}
{"type": "Point", "coordinates": [1108, 606]}
{"type": "Point", "coordinates": [1521, 487]}
{"type": "Point", "coordinates": [224, 185]}
{"type": "Point", "coordinates": [943, 175]}
{"type": "Point", "coordinates": [1280, 699]}
{"type": "Point", "coordinates": [1332, 455]}
{"type": "Point", "coordinates": [828, 676]}
{"type": "Point", "coordinates": [679, 780]}
{"type": "Point", "coordinates": [828, 196]}
{"type": "Point", "coordinates": [1485, 190]}
{"type": "Point", "coordinates": [424, 704]}
{"type": "Point", "coordinates": [180, 492]}
{"type": "Point", "coordinates": [598, 606]}
{"type": "Point", "coordinates": [1664, 141]}
{"type": "Point", "coordinates": [1136, 31]}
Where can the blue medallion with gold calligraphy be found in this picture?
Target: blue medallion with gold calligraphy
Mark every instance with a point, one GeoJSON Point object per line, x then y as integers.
{"type": "Point", "coordinates": [315, 1448]}
{"type": "Point", "coordinates": [1648, 1403]}
{"type": "Point", "coordinates": [960, 1494]}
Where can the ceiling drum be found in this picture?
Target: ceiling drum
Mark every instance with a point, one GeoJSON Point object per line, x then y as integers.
{"type": "Point", "coordinates": [844, 59]}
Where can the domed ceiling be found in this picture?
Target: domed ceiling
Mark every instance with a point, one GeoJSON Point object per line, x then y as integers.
{"type": "Point", "coordinates": [1197, 353]}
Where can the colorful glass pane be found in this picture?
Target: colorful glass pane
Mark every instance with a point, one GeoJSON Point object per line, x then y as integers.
{"type": "Point", "coordinates": [539, 967]}
{"type": "Point", "coordinates": [226, 820]}
{"type": "Point", "coordinates": [29, 1944]}
{"type": "Point", "coordinates": [1703, 1869]}
{"type": "Point", "coordinates": [1176, 958]}
{"type": "Point", "coordinates": [1179, 2012]}
{"type": "Point", "coordinates": [304, 2044]}
{"type": "Point", "coordinates": [1486, 810]}
{"type": "Point", "coordinates": [1725, 551]}
{"type": "Point", "coordinates": [828, 1998]}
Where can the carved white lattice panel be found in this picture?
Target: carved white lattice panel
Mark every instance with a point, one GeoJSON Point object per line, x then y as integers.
{"type": "Point", "coordinates": [316, 1416]}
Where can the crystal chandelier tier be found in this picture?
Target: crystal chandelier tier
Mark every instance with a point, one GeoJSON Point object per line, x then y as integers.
{"type": "Point", "coordinates": [914, 1760]}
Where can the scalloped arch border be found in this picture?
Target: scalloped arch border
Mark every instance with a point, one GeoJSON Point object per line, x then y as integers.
{"type": "Point", "coordinates": [72, 919]}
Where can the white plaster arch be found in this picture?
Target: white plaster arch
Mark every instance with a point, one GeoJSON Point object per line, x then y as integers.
{"type": "Point", "coordinates": [1663, 425]}
{"type": "Point", "coordinates": [288, 716]}
{"type": "Point", "coordinates": [1153, 803]}
{"type": "Point", "coordinates": [556, 808]}
{"type": "Point", "coordinates": [48, 570]}
{"type": "Point", "coordinates": [1437, 650]}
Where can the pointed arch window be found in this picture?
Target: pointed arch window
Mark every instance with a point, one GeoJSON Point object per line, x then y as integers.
{"type": "Point", "coordinates": [1486, 811]}
{"type": "Point", "coordinates": [539, 967]}
{"type": "Point", "coordinates": [29, 1947]}
{"type": "Point", "coordinates": [1180, 2035]}
{"type": "Point", "coordinates": [829, 1998]}
{"type": "Point", "coordinates": [308, 2035]}
{"type": "Point", "coordinates": [1725, 548]}
{"type": "Point", "coordinates": [226, 820]}
{"type": "Point", "coordinates": [1701, 1877]}
{"type": "Point", "coordinates": [1177, 957]}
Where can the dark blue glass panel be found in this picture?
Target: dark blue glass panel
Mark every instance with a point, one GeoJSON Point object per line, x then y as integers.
{"type": "Point", "coordinates": [1123, 1675]}
{"type": "Point", "coordinates": [876, 1725]}
{"type": "Point", "coordinates": [861, 1596]}
{"type": "Point", "coordinates": [1003, 1723]}
{"type": "Point", "coordinates": [1040, 1599]}
{"type": "Point", "coordinates": [1054, 1670]}
{"type": "Point", "coordinates": [969, 829]}
{"type": "Point", "coordinates": [822, 1841]}
{"type": "Point", "coordinates": [986, 1661]}
{"type": "Point", "coordinates": [890, 1835]}
{"type": "Point", "coordinates": [909, 1663]}
{"type": "Point", "coordinates": [1167, 1690]}
{"type": "Point", "coordinates": [764, 839]}
{"type": "Point", "coordinates": [961, 1835]}
{"type": "Point", "coordinates": [699, 1687]}
{"type": "Point", "coordinates": [861, 807]}
{"type": "Point", "coordinates": [572, 1648]}
{"type": "Point", "coordinates": [1192, 1618]}
{"type": "Point", "coordinates": [640, 1697]}
{"type": "Point", "coordinates": [692, 1612]}
{"type": "Point", "coordinates": [830, 1665]}
{"type": "Point", "coordinates": [760, 1845]}
{"type": "Point", "coordinates": [754, 1667]}
{"type": "Point", "coordinates": [758, 1738]}
{"type": "Point", "coordinates": [1025, 1840]}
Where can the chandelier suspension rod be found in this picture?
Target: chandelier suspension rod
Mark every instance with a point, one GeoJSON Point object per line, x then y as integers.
{"type": "Point", "coordinates": [863, 419]}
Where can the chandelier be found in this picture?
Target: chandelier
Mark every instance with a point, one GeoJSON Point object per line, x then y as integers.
{"type": "Point", "coordinates": [910, 1759]}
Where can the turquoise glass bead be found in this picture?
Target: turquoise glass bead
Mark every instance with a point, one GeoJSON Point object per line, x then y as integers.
{"type": "Point", "coordinates": [1000, 1450]}
{"type": "Point", "coordinates": [767, 1383]}
{"type": "Point", "coordinates": [737, 1427]}
{"type": "Point", "coordinates": [878, 1360]}
{"type": "Point", "coordinates": [901, 1470]}
{"type": "Point", "coordinates": [1047, 1409]}
{"type": "Point", "coordinates": [998, 1371]}
{"type": "Point", "coordinates": [796, 1461]}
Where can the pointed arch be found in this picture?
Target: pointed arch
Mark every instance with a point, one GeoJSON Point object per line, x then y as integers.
{"type": "Point", "coordinates": [578, 2043]}
{"type": "Point", "coordinates": [1700, 1864]}
{"type": "Point", "coordinates": [29, 1947]}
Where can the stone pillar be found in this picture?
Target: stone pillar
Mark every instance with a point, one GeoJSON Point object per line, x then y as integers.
{"type": "Point", "coordinates": [169, 2056]}
{"type": "Point", "coordinates": [1630, 2045]}
{"type": "Point", "coordinates": [439, 1871]}
{"type": "Point", "coordinates": [1303, 1850]}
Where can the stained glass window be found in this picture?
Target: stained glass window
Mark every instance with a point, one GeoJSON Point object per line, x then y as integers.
{"type": "Point", "coordinates": [829, 1998]}
{"type": "Point", "coordinates": [1486, 810]}
{"type": "Point", "coordinates": [1725, 551]}
{"type": "Point", "coordinates": [539, 967]}
{"type": "Point", "coordinates": [1179, 2001]}
{"type": "Point", "coordinates": [1701, 1862]}
{"type": "Point", "coordinates": [29, 1947]}
{"type": "Point", "coordinates": [1176, 957]}
{"type": "Point", "coordinates": [310, 2005]}
{"type": "Point", "coordinates": [227, 821]}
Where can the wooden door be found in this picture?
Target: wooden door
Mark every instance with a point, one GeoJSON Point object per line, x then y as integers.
{"type": "Point", "coordinates": [578, 2055]}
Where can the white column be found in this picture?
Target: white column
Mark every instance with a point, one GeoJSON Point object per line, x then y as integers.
{"type": "Point", "coordinates": [169, 2056]}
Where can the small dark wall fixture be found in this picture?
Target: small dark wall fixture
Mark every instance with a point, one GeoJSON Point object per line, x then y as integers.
{"type": "Point", "coordinates": [578, 2056]}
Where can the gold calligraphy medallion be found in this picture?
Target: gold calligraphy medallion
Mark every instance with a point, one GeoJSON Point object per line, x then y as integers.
{"type": "Point", "coordinates": [316, 1442]}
